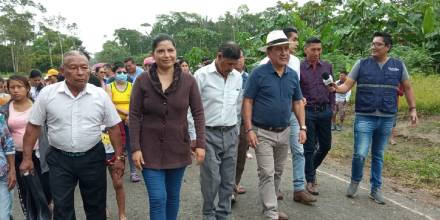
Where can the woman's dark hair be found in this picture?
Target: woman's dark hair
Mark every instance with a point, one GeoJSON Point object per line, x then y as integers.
{"type": "Point", "coordinates": [97, 69]}
{"type": "Point", "coordinates": [117, 65]}
{"type": "Point", "coordinates": [21, 79]}
{"type": "Point", "coordinates": [162, 37]}
{"type": "Point", "coordinates": [182, 61]}
{"type": "Point", "coordinates": [94, 81]}
{"type": "Point", "coordinates": [35, 73]}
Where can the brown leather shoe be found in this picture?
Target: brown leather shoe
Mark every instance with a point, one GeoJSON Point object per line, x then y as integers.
{"type": "Point", "coordinates": [282, 216]}
{"type": "Point", "coordinates": [311, 188]}
{"type": "Point", "coordinates": [303, 197]}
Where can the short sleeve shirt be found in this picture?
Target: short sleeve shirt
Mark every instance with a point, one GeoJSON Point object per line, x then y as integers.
{"type": "Point", "coordinates": [272, 95]}
{"type": "Point", "coordinates": [74, 123]}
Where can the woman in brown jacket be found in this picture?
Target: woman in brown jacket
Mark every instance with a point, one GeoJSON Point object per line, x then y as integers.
{"type": "Point", "coordinates": [159, 130]}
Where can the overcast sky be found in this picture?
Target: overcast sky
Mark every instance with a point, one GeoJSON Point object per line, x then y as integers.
{"type": "Point", "coordinates": [97, 19]}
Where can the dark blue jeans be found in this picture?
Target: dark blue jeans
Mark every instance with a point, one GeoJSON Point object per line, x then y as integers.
{"type": "Point", "coordinates": [163, 188]}
{"type": "Point", "coordinates": [318, 131]}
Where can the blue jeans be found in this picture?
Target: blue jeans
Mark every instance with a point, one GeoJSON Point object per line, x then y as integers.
{"type": "Point", "coordinates": [6, 198]}
{"type": "Point", "coordinates": [369, 131]}
{"type": "Point", "coordinates": [298, 160]}
{"type": "Point", "coordinates": [163, 188]}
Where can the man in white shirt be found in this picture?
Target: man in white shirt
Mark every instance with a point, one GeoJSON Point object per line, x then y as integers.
{"type": "Point", "coordinates": [74, 111]}
{"type": "Point", "coordinates": [341, 100]}
{"type": "Point", "coordinates": [220, 86]}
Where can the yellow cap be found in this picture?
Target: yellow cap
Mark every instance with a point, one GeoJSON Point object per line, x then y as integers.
{"type": "Point", "coordinates": [52, 72]}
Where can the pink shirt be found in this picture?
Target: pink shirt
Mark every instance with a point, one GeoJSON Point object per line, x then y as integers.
{"type": "Point", "coordinates": [17, 126]}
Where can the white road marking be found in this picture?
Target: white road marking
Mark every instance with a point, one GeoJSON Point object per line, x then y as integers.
{"type": "Point", "coordinates": [391, 200]}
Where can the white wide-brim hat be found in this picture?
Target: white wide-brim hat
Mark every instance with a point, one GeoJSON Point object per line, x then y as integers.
{"type": "Point", "coordinates": [274, 38]}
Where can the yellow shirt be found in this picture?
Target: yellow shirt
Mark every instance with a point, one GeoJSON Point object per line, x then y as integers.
{"type": "Point", "coordinates": [121, 99]}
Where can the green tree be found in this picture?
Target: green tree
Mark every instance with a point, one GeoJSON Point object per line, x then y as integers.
{"type": "Point", "coordinates": [112, 52]}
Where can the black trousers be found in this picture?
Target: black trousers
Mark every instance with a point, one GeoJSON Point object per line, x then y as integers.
{"type": "Point", "coordinates": [318, 131]}
{"type": "Point", "coordinates": [64, 174]}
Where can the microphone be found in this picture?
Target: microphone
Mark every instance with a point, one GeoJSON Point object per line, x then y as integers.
{"type": "Point", "coordinates": [327, 79]}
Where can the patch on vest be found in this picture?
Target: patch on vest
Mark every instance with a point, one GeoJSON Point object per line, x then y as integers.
{"type": "Point", "coordinates": [393, 69]}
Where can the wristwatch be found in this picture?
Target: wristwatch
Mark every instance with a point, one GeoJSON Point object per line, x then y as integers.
{"type": "Point", "coordinates": [304, 128]}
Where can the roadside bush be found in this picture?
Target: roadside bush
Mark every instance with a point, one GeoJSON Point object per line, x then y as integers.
{"type": "Point", "coordinates": [340, 61]}
{"type": "Point", "coordinates": [417, 59]}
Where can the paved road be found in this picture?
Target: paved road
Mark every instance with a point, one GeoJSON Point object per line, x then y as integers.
{"type": "Point", "coordinates": [332, 204]}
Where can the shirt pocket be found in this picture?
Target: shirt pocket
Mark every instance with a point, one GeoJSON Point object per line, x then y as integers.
{"type": "Point", "coordinates": [289, 89]}
{"type": "Point", "coordinates": [232, 96]}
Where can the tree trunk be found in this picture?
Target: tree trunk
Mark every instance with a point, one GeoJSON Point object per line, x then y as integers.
{"type": "Point", "coordinates": [61, 47]}
{"type": "Point", "coordinates": [14, 58]}
{"type": "Point", "coordinates": [50, 52]}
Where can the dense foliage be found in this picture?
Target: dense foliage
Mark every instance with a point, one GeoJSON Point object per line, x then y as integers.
{"type": "Point", "coordinates": [344, 26]}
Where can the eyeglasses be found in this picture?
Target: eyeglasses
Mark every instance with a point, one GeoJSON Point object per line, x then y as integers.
{"type": "Point", "coordinates": [120, 72]}
{"type": "Point", "coordinates": [377, 44]}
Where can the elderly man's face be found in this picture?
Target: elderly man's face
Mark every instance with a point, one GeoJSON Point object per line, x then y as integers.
{"type": "Point", "coordinates": [279, 55]}
{"type": "Point", "coordinates": [76, 70]}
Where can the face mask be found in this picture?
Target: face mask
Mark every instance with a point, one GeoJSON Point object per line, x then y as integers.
{"type": "Point", "coordinates": [121, 77]}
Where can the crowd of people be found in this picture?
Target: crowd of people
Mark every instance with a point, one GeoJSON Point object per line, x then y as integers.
{"type": "Point", "coordinates": [68, 128]}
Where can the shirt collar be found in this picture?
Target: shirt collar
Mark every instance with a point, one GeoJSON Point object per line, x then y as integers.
{"type": "Point", "coordinates": [211, 68]}
{"type": "Point", "coordinates": [286, 70]}
{"type": "Point", "coordinates": [309, 65]}
{"type": "Point", "coordinates": [63, 88]}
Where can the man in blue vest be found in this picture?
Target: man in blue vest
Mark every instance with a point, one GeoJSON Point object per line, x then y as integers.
{"type": "Point", "coordinates": [377, 78]}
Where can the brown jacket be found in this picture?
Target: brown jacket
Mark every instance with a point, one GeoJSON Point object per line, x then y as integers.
{"type": "Point", "coordinates": [158, 120]}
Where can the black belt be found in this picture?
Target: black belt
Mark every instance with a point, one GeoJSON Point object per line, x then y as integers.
{"type": "Point", "coordinates": [271, 128]}
{"type": "Point", "coordinates": [75, 154]}
{"type": "Point", "coordinates": [317, 108]}
{"type": "Point", "coordinates": [220, 128]}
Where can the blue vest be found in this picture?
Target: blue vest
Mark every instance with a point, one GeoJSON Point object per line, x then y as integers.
{"type": "Point", "coordinates": [376, 87]}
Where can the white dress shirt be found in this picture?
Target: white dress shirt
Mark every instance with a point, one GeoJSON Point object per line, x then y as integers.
{"type": "Point", "coordinates": [74, 123]}
{"type": "Point", "coordinates": [294, 64]}
{"type": "Point", "coordinates": [221, 98]}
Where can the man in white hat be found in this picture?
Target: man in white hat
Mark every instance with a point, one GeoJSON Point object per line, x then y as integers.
{"type": "Point", "coordinates": [299, 193]}
{"type": "Point", "coordinates": [272, 92]}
